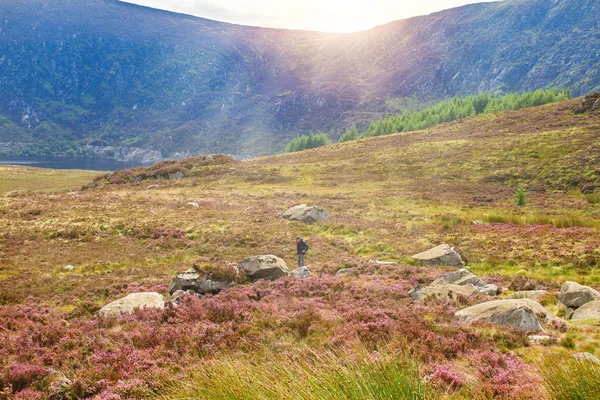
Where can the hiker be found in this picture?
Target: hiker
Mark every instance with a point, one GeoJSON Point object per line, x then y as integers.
{"type": "Point", "coordinates": [302, 249]}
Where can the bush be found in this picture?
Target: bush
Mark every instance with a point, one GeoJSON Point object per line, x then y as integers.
{"type": "Point", "coordinates": [305, 142]}
{"type": "Point", "coordinates": [521, 197]}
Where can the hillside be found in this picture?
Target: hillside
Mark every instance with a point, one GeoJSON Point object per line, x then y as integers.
{"type": "Point", "coordinates": [104, 77]}
{"type": "Point", "coordinates": [329, 336]}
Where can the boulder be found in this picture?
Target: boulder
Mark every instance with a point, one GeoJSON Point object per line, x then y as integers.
{"type": "Point", "coordinates": [586, 357]}
{"type": "Point", "coordinates": [527, 294]}
{"type": "Point", "coordinates": [344, 271]}
{"type": "Point", "coordinates": [264, 267]}
{"type": "Point", "coordinates": [572, 294]}
{"type": "Point", "coordinates": [541, 340]}
{"type": "Point", "coordinates": [569, 311]}
{"type": "Point", "coordinates": [209, 157]}
{"type": "Point", "coordinates": [439, 256]}
{"type": "Point", "coordinates": [466, 277]}
{"type": "Point", "coordinates": [301, 273]}
{"type": "Point", "coordinates": [69, 268]}
{"type": "Point", "coordinates": [193, 204]}
{"type": "Point", "coordinates": [131, 302]}
{"type": "Point", "coordinates": [191, 280]}
{"type": "Point", "coordinates": [306, 214]}
{"type": "Point", "coordinates": [589, 310]}
{"type": "Point", "coordinates": [517, 313]}
{"type": "Point", "coordinates": [442, 291]}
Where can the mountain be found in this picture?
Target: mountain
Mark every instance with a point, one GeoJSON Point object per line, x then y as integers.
{"type": "Point", "coordinates": [111, 76]}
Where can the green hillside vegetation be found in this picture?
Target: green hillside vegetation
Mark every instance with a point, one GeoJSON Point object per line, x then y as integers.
{"type": "Point", "coordinates": [310, 141]}
{"type": "Point", "coordinates": [106, 73]}
{"type": "Point", "coordinates": [353, 336]}
{"type": "Point", "coordinates": [457, 108]}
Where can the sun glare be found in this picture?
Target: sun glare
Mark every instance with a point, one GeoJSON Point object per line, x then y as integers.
{"type": "Point", "coordinates": [341, 15]}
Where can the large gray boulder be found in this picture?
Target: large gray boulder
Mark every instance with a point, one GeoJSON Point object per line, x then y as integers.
{"type": "Point", "coordinates": [442, 291]}
{"type": "Point", "coordinates": [522, 314]}
{"type": "Point", "coordinates": [466, 277]}
{"type": "Point", "coordinates": [196, 282]}
{"type": "Point", "coordinates": [439, 256]}
{"type": "Point", "coordinates": [574, 295]}
{"type": "Point", "coordinates": [131, 302]}
{"type": "Point", "coordinates": [306, 214]}
{"type": "Point", "coordinates": [589, 310]}
{"type": "Point", "coordinates": [264, 267]}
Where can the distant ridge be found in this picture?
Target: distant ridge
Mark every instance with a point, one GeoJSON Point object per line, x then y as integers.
{"type": "Point", "coordinates": [102, 76]}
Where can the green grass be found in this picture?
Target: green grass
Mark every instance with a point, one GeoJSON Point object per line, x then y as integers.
{"type": "Point", "coordinates": [353, 374]}
{"type": "Point", "coordinates": [571, 379]}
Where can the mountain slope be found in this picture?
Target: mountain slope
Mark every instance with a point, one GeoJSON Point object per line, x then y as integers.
{"type": "Point", "coordinates": [105, 73]}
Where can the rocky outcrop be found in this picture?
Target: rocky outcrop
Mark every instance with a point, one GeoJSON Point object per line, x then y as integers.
{"type": "Point", "coordinates": [466, 277]}
{"type": "Point", "coordinates": [591, 102]}
{"type": "Point", "coordinates": [443, 255]}
{"type": "Point", "coordinates": [264, 267]}
{"type": "Point", "coordinates": [586, 357]}
{"type": "Point", "coordinates": [301, 273]}
{"type": "Point", "coordinates": [344, 271]}
{"type": "Point", "coordinates": [442, 291]}
{"type": "Point", "coordinates": [306, 214]}
{"type": "Point", "coordinates": [196, 282]}
{"type": "Point", "coordinates": [133, 301]}
{"type": "Point", "coordinates": [589, 310]}
{"type": "Point", "coordinates": [574, 295]}
{"type": "Point", "coordinates": [522, 314]}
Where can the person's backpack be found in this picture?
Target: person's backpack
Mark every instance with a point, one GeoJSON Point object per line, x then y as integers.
{"type": "Point", "coordinates": [305, 247]}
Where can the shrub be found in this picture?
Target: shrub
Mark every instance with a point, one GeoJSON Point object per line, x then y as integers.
{"type": "Point", "coordinates": [521, 197]}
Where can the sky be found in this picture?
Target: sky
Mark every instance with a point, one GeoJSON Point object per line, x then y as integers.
{"type": "Point", "coordinates": [316, 15]}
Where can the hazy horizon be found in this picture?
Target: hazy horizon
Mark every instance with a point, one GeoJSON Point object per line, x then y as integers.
{"type": "Point", "coordinates": [315, 15]}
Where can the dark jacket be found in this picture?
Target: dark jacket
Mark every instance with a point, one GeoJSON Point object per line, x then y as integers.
{"type": "Point", "coordinates": [302, 247]}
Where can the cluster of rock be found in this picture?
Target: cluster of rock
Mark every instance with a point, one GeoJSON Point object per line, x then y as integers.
{"type": "Point", "coordinates": [452, 285]}
{"type": "Point", "coordinates": [192, 282]}
{"type": "Point", "coordinates": [582, 302]}
{"type": "Point", "coordinates": [307, 214]}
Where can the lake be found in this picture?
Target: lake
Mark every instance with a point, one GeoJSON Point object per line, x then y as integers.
{"type": "Point", "coordinates": [91, 164]}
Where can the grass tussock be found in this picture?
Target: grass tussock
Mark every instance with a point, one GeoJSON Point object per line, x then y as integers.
{"type": "Point", "coordinates": [352, 374]}
{"type": "Point", "coordinates": [571, 379]}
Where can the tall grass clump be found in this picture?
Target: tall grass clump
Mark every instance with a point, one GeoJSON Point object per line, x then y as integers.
{"type": "Point", "coordinates": [306, 375]}
{"type": "Point", "coordinates": [593, 198]}
{"type": "Point", "coordinates": [521, 197]}
{"type": "Point", "coordinates": [457, 108]}
{"type": "Point", "coordinates": [571, 379]}
{"type": "Point", "coordinates": [311, 141]}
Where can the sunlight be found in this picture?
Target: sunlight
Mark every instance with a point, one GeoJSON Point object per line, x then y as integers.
{"type": "Point", "coordinates": [341, 15]}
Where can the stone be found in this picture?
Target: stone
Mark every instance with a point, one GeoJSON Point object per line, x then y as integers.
{"type": "Point", "coordinates": [572, 294]}
{"type": "Point", "coordinates": [301, 273]}
{"type": "Point", "coordinates": [527, 294]}
{"type": "Point", "coordinates": [386, 263]}
{"type": "Point", "coordinates": [264, 267]}
{"type": "Point", "coordinates": [518, 313]}
{"type": "Point", "coordinates": [539, 340]}
{"type": "Point", "coordinates": [466, 277]}
{"type": "Point", "coordinates": [589, 310]}
{"type": "Point", "coordinates": [209, 157]}
{"type": "Point", "coordinates": [442, 291]}
{"type": "Point", "coordinates": [306, 214]}
{"type": "Point", "coordinates": [191, 280]}
{"type": "Point", "coordinates": [69, 268]}
{"type": "Point", "coordinates": [193, 204]}
{"type": "Point", "coordinates": [443, 255]}
{"type": "Point", "coordinates": [152, 187]}
{"type": "Point", "coordinates": [586, 357]}
{"type": "Point", "coordinates": [133, 301]}
{"type": "Point", "coordinates": [176, 176]}
{"type": "Point", "coordinates": [344, 271]}
{"type": "Point", "coordinates": [569, 311]}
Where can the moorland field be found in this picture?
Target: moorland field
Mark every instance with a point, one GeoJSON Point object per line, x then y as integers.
{"type": "Point", "coordinates": [356, 336]}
